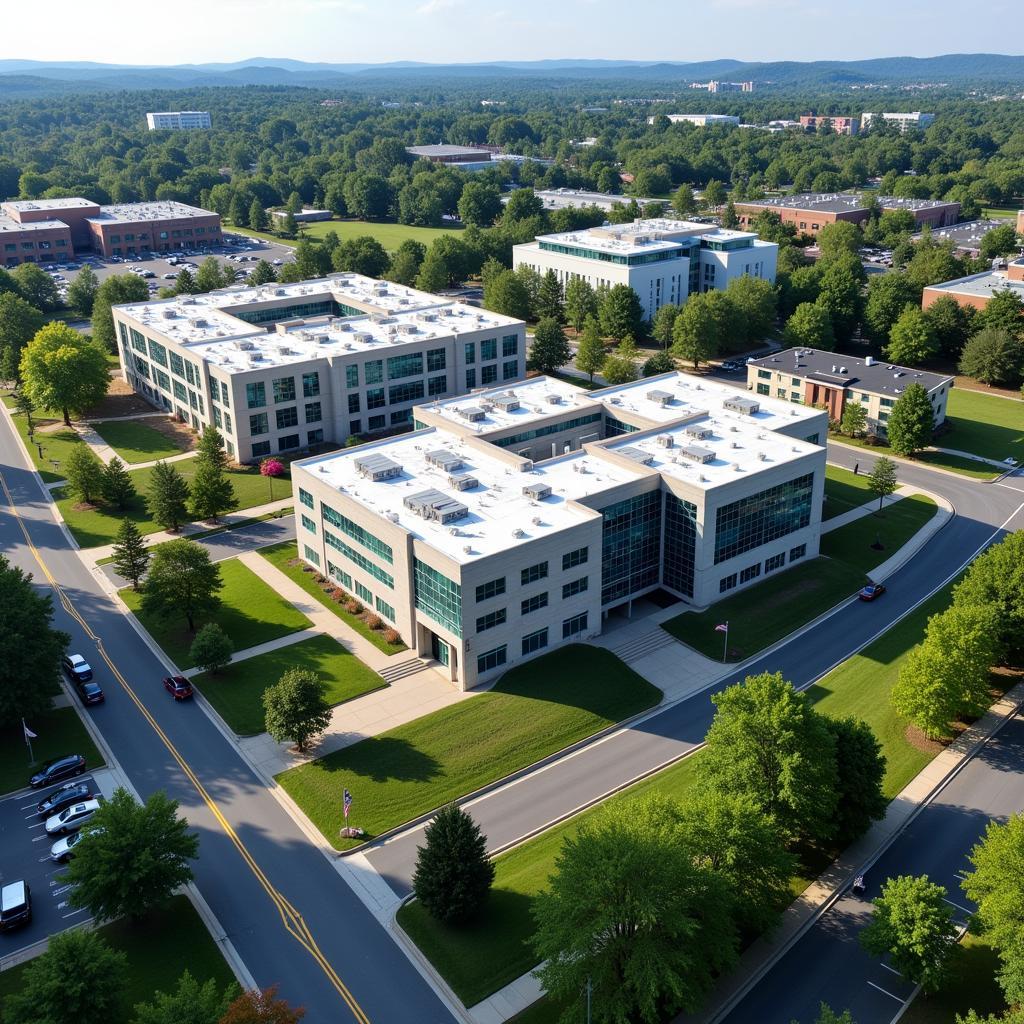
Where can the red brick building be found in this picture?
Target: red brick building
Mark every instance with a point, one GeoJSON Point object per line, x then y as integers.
{"type": "Point", "coordinates": [976, 290]}
{"type": "Point", "coordinates": [840, 125]}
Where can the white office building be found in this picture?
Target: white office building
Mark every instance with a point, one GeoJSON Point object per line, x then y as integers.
{"type": "Point", "coordinates": [178, 120]}
{"type": "Point", "coordinates": [284, 367]}
{"type": "Point", "coordinates": [907, 122]}
{"type": "Point", "coordinates": [701, 120]}
{"type": "Point", "coordinates": [517, 519]}
{"type": "Point", "coordinates": [662, 260]}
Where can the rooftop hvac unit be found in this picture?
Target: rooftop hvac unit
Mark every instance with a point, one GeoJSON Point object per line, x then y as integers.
{"type": "Point", "coordinates": [444, 459]}
{"type": "Point", "coordinates": [637, 455]}
{"type": "Point", "coordinates": [244, 346]}
{"type": "Point", "coordinates": [537, 491]}
{"type": "Point", "coordinates": [427, 318]}
{"type": "Point", "coordinates": [406, 328]}
{"type": "Point", "coordinates": [168, 314]}
{"type": "Point", "coordinates": [362, 336]}
{"type": "Point", "coordinates": [869, 360]}
{"type": "Point", "coordinates": [285, 350]}
{"type": "Point", "coordinates": [507, 403]}
{"type": "Point", "coordinates": [662, 398]}
{"type": "Point", "coordinates": [761, 457]}
{"type": "Point", "coordinates": [555, 399]}
{"type": "Point", "coordinates": [433, 505]}
{"type": "Point", "coordinates": [527, 466]}
{"type": "Point", "coordinates": [518, 533]}
{"type": "Point", "coordinates": [197, 321]}
{"type": "Point", "coordinates": [255, 357]}
{"type": "Point", "coordinates": [473, 413]}
{"type": "Point", "coordinates": [695, 453]}
{"type": "Point", "coordinates": [537, 521]}
{"type": "Point", "coordinates": [463, 481]}
{"type": "Point", "coordinates": [280, 291]}
{"type": "Point", "coordinates": [665, 441]}
{"type": "Point", "coordinates": [697, 431]}
{"type": "Point", "coordinates": [377, 467]}
{"type": "Point", "coordinates": [744, 406]}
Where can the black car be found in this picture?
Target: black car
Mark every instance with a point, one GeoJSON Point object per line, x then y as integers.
{"type": "Point", "coordinates": [89, 693]}
{"type": "Point", "coordinates": [57, 771]}
{"type": "Point", "coordinates": [68, 794]}
{"type": "Point", "coordinates": [76, 668]}
{"type": "Point", "coordinates": [15, 905]}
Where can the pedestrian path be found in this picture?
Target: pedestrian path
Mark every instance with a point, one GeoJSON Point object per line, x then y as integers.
{"type": "Point", "coordinates": [998, 463]}
{"type": "Point", "coordinates": [867, 509]}
{"type": "Point", "coordinates": [104, 452]}
{"type": "Point", "coordinates": [258, 649]}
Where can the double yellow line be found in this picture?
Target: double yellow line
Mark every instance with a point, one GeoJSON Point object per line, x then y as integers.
{"type": "Point", "coordinates": [290, 917]}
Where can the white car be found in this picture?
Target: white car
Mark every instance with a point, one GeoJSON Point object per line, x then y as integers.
{"type": "Point", "coordinates": [71, 818]}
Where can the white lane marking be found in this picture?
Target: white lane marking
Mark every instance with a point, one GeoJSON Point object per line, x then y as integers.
{"type": "Point", "coordinates": [64, 917]}
{"type": "Point", "coordinates": [892, 969]}
{"type": "Point", "coordinates": [958, 906]}
{"type": "Point", "coordinates": [885, 992]}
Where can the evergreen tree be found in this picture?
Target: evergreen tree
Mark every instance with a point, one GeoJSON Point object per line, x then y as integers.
{"type": "Point", "coordinates": [237, 212]}
{"type": "Point", "coordinates": [84, 473]}
{"type": "Point", "coordinates": [683, 203]}
{"type": "Point", "coordinates": [288, 225]}
{"type": "Point", "coordinates": [131, 557]}
{"type": "Point", "coordinates": [116, 485]}
{"type": "Point", "coordinates": [549, 298]}
{"type": "Point", "coordinates": [185, 283]}
{"type": "Point", "coordinates": [549, 350]}
{"type": "Point", "coordinates": [580, 302]}
{"type": "Point", "coordinates": [212, 648]}
{"type": "Point", "coordinates": [210, 447]}
{"type": "Point", "coordinates": [453, 872]}
{"type": "Point", "coordinates": [911, 421]}
{"type": "Point", "coordinates": [213, 494]}
{"type": "Point", "coordinates": [168, 494]}
{"type": "Point", "coordinates": [729, 218]}
{"type": "Point", "coordinates": [590, 353]}
{"type": "Point", "coordinates": [257, 216]}
{"type": "Point", "coordinates": [263, 273]}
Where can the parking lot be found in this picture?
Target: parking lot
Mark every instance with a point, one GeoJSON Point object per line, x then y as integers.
{"type": "Point", "coordinates": [163, 271]}
{"type": "Point", "coordinates": [25, 854]}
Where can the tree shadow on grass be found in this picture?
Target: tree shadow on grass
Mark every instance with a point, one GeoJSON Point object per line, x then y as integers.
{"type": "Point", "coordinates": [385, 759]}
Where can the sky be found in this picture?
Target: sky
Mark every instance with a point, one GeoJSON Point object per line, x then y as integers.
{"type": "Point", "coordinates": [465, 31]}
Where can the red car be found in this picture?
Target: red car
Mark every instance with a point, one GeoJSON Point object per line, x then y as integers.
{"type": "Point", "coordinates": [178, 687]}
{"type": "Point", "coordinates": [871, 591]}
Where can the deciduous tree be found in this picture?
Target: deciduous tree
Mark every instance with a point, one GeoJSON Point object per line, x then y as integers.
{"type": "Point", "coordinates": [182, 581]}
{"type": "Point", "coordinates": [19, 324]}
{"type": "Point", "coordinates": [889, 295]}
{"type": "Point", "coordinates": [256, 1007]}
{"type": "Point", "coordinates": [860, 772]}
{"type": "Point", "coordinates": [189, 1003]}
{"type": "Point", "coordinates": [295, 708]}
{"type": "Point", "coordinates": [590, 353]}
{"type": "Point", "coordinates": [911, 340]}
{"type": "Point", "coordinates": [61, 369]}
{"type": "Point", "coordinates": [116, 290]}
{"type": "Point", "coordinates": [996, 579]}
{"type": "Point", "coordinates": [882, 479]}
{"type": "Point", "coordinates": [505, 293]}
{"type": "Point", "coordinates": [620, 312]}
{"type": "Point", "coordinates": [550, 349]}
{"type": "Point", "coordinates": [663, 323]}
{"type": "Point", "coordinates": [580, 302]}
{"type": "Point", "coordinates": [855, 419]}
{"type": "Point", "coordinates": [911, 421]}
{"type": "Point", "coordinates": [36, 287]}
{"type": "Point", "coordinates": [754, 302]}
{"type": "Point", "coordinates": [620, 365]}
{"type": "Point", "coordinates": [810, 326]}
{"type": "Point", "coordinates": [993, 356]}
{"type": "Point", "coordinates": [84, 473]}
{"type": "Point", "coordinates": [212, 648]}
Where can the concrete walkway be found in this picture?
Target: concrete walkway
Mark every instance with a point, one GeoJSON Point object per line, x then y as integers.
{"type": "Point", "coordinates": [997, 463]}
{"type": "Point", "coordinates": [258, 649]}
{"type": "Point", "coordinates": [414, 687]}
{"type": "Point", "coordinates": [867, 509]}
{"type": "Point", "coordinates": [105, 453]}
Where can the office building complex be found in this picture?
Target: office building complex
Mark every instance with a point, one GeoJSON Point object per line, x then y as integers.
{"type": "Point", "coordinates": [715, 87]}
{"type": "Point", "coordinates": [177, 120]}
{"type": "Point", "coordinates": [701, 120]}
{"type": "Point", "coordinates": [965, 237]}
{"type": "Point", "coordinates": [976, 290]}
{"type": "Point", "coordinates": [283, 367]}
{"type": "Point", "coordinates": [45, 230]}
{"type": "Point", "coordinates": [513, 521]}
{"type": "Point", "coordinates": [471, 158]}
{"type": "Point", "coordinates": [811, 211]}
{"type": "Point", "coordinates": [662, 260]}
{"type": "Point", "coordinates": [907, 122]}
{"type": "Point", "coordinates": [816, 378]}
{"type": "Point", "coordinates": [839, 125]}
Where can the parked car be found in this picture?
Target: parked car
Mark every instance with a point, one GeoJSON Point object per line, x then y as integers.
{"type": "Point", "coordinates": [731, 366]}
{"type": "Point", "coordinates": [58, 770]}
{"type": "Point", "coordinates": [63, 850]}
{"type": "Point", "coordinates": [178, 687]}
{"type": "Point", "coordinates": [15, 905]}
{"type": "Point", "coordinates": [76, 668]}
{"type": "Point", "coordinates": [71, 818]}
{"type": "Point", "coordinates": [871, 591]}
{"type": "Point", "coordinates": [68, 794]}
{"type": "Point", "coordinates": [170, 277]}
{"type": "Point", "coordinates": [90, 692]}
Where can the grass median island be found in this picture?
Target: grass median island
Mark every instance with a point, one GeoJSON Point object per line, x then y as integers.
{"type": "Point", "coordinates": [844, 491]}
{"type": "Point", "coordinates": [58, 732]}
{"type": "Point", "coordinates": [135, 441]}
{"type": "Point", "coordinates": [167, 942]}
{"type": "Point", "coordinates": [282, 556]}
{"type": "Point", "coordinates": [250, 613]}
{"type": "Point", "coordinates": [893, 527]}
{"type": "Point", "coordinates": [237, 691]}
{"type": "Point", "coordinates": [535, 709]}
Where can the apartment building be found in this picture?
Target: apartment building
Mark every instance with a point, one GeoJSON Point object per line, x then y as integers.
{"type": "Point", "coordinates": [515, 520]}
{"type": "Point", "coordinates": [837, 124]}
{"type": "Point", "coordinates": [662, 260]}
{"type": "Point", "coordinates": [812, 377]}
{"type": "Point", "coordinates": [177, 120]}
{"type": "Point", "coordinates": [913, 121]}
{"type": "Point", "coordinates": [281, 368]}
{"type": "Point", "coordinates": [976, 290]}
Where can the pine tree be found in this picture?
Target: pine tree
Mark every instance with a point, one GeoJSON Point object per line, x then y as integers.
{"type": "Point", "coordinates": [116, 486]}
{"type": "Point", "coordinates": [211, 448]}
{"type": "Point", "coordinates": [131, 557]}
{"type": "Point", "coordinates": [263, 273]}
{"type": "Point", "coordinates": [168, 494]}
{"type": "Point", "coordinates": [549, 298]}
{"type": "Point", "coordinates": [84, 473]}
{"type": "Point", "coordinates": [590, 355]}
{"type": "Point", "coordinates": [212, 492]}
{"type": "Point", "coordinates": [257, 216]}
{"type": "Point", "coordinates": [237, 213]}
{"type": "Point", "coordinates": [185, 283]}
{"type": "Point", "coordinates": [453, 872]}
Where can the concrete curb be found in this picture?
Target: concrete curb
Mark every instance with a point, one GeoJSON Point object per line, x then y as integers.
{"type": "Point", "coordinates": [901, 461]}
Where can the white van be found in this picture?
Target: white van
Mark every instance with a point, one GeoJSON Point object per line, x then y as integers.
{"type": "Point", "coordinates": [15, 905]}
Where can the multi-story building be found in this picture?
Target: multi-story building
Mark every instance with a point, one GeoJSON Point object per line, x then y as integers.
{"type": "Point", "coordinates": [700, 120]}
{"type": "Point", "coordinates": [178, 120]}
{"type": "Point", "coordinates": [965, 237]}
{"type": "Point", "coordinates": [912, 121]}
{"type": "Point", "coordinates": [839, 125]}
{"type": "Point", "coordinates": [559, 198]}
{"type": "Point", "coordinates": [43, 230]}
{"type": "Point", "coordinates": [829, 380]}
{"type": "Point", "coordinates": [516, 520]}
{"type": "Point", "coordinates": [662, 260]}
{"type": "Point", "coordinates": [471, 158]}
{"type": "Point", "coordinates": [284, 367]}
{"type": "Point", "coordinates": [976, 290]}
{"type": "Point", "coordinates": [715, 86]}
{"type": "Point", "coordinates": [809, 212]}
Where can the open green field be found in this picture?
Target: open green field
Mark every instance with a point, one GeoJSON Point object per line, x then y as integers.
{"type": "Point", "coordinates": [535, 709]}
{"type": "Point", "coordinates": [135, 441]}
{"type": "Point", "coordinates": [484, 956]}
{"type": "Point", "coordinates": [844, 491]}
{"type": "Point", "coordinates": [250, 613]}
{"type": "Point", "coordinates": [280, 555]}
{"type": "Point", "coordinates": [237, 691]}
{"type": "Point", "coordinates": [893, 526]}
{"type": "Point", "coordinates": [159, 949]}
{"type": "Point", "coordinates": [58, 732]}
{"type": "Point", "coordinates": [391, 236]}
{"type": "Point", "coordinates": [986, 425]}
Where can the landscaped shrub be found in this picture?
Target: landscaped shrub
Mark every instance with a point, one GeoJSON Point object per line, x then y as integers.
{"type": "Point", "coordinates": [392, 635]}
{"type": "Point", "coordinates": [354, 607]}
{"type": "Point", "coordinates": [374, 621]}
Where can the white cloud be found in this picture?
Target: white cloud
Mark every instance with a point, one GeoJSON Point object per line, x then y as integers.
{"type": "Point", "coordinates": [436, 6]}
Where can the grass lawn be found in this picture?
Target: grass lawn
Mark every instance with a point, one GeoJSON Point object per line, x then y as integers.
{"type": "Point", "coordinates": [134, 441]}
{"type": "Point", "coordinates": [535, 709]}
{"type": "Point", "coordinates": [56, 444]}
{"type": "Point", "coordinates": [58, 732]}
{"type": "Point", "coordinates": [894, 526]}
{"type": "Point", "coordinates": [279, 555]}
{"type": "Point", "coordinates": [250, 613]}
{"type": "Point", "coordinates": [390, 236]}
{"type": "Point", "coordinates": [844, 491]}
{"type": "Point", "coordinates": [159, 948]}
{"type": "Point", "coordinates": [237, 691]}
{"type": "Point", "coordinates": [971, 986]}
{"type": "Point", "coordinates": [480, 958]}
{"type": "Point", "coordinates": [986, 425]}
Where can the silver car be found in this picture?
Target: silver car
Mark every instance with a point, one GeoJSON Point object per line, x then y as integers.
{"type": "Point", "coordinates": [71, 818]}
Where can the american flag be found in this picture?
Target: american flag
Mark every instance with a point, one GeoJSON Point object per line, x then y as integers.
{"type": "Point", "coordinates": [346, 802]}
{"type": "Point", "coordinates": [722, 627]}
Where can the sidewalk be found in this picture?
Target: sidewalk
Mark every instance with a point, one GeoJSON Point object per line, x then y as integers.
{"type": "Point", "coordinates": [997, 463]}
{"type": "Point", "coordinates": [414, 688]}
{"type": "Point", "coordinates": [105, 453]}
{"type": "Point", "coordinates": [867, 509]}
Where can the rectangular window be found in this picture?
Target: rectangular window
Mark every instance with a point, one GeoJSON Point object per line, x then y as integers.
{"type": "Point", "coordinates": [577, 624]}
{"type": "Point", "coordinates": [573, 558]}
{"type": "Point", "coordinates": [493, 588]}
{"type": "Point", "coordinates": [284, 389]}
{"type": "Point", "coordinates": [177, 363]}
{"type": "Point", "coordinates": [157, 352]}
{"type": "Point", "coordinates": [306, 498]}
{"type": "Point", "coordinates": [535, 641]}
{"type": "Point", "coordinates": [227, 423]}
{"type": "Point", "coordinates": [353, 402]}
{"type": "Point", "coordinates": [260, 448]}
{"type": "Point", "coordinates": [352, 376]}
{"type": "Point", "coordinates": [470, 380]}
{"type": "Point", "coordinates": [763, 389]}
{"type": "Point", "coordinates": [375, 398]}
{"type": "Point", "coordinates": [288, 442]}
{"type": "Point", "coordinates": [492, 659]}
{"type": "Point", "coordinates": [165, 382]}
{"type": "Point", "coordinates": [488, 375]}
{"type": "Point", "coordinates": [310, 385]}
{"type": "Point", "coordinates": [575, 587]}
{"type": "Point", "coordinates": [377, 423]}
{"type": "Point", "coordinates": [385, 609]}
{"type": "Point", "coordinates": [509, 369]}
{"type": "Point", "coordinates": [364, 593]}
{"type": "Point", "coordinates": [798, 552]}
{"type": "Point", "coordinates": [401, 417]}
{"type": "Point", "coordinates": [435, 360]}
{"type": "Point", "coordinates": [533, 604]}
{"type": "Point", "coordinates": [339, 575]}
{"type": "Point", "coordinates": [764, 374]}
{"type": "Point", "coordinates": [314, 413]}
{"type": "Point", "coordinates": [287, 417]}
{"type": "Point", "coordinates": [437, 385]}
{"type": "Point", "coordinates": [315, 436]}
{"type": "Point", "coordinates": [490, 620]}
{"type": "Point", "coordinates": [750, 573]}
{"type": "Point", "coordinates": [409, 365]}
{"type": "Point", "coordinates": [311, 555]}
{"type": "Point", "coordinates": [470, 350]}
{"type": "Point", "coordinates": [510, 345]}
{"type": "Point", "coordinates": [373, 371]}
{"type": "Point", "coordinates": [727, 583]}
{"type": "Point", "coordinates": [308, 523]}
{"type": "Point", "coordinates": [410, 392]}
{"type": "Point", "coordinates": [775, 562]}
{"type": "Point", "coordinates": [355, 532]}
{"type": "Point", "coordinates": [762, 518]}
{"type": "Point", "coordinates": [255, 394]}
{"type": "Point", "coordinates": [361, 560]}
{"type": "Point", "coordinates": [488, 349]}
{"type": "Point", "coordinates": [258, 423]}
{"type": "Point", "coordinates": [438, 596]}
{"type": "Point", "coordinates": [214, 388]}
{"type": "Point", "coordinates": [534, 573]}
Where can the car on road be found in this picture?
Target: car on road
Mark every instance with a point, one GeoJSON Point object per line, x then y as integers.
{"type": "Point", "coordinates": [871, 591]}
{"type": "Point", "coordinates": [58, 770]}
{"type": "Point", "coordinates": [178, 687]}
{"type": "Point", "coordinates": [68, 794]}
{"type": "Point", "coordinates": [76, 668]}
{"type": "Point", "coordinates": [71, 818]}
{"type": "Point", "coordinates": [89, 693]}
{"type": "Point", "coordinates": [15, 905]}
{"type": "Point", "coordinates": [730, 366]}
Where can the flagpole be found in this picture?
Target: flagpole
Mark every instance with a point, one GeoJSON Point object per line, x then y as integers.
{"type": "Point", "coordinates": [725, 643]}
{"type": "Point", "coordinates": [28, 741]}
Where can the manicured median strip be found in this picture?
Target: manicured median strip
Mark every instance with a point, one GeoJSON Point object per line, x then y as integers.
{"type": "Point", "coordinates": [892, 527]}
{"type": "Point", "coordinates": [844, 491]}
{"type": "Point", "coordinates": [136, 441]}
{"type": "Point", "coordinates": [250, 613]}
{"type": "Point", "coordinates": [237, 691]}
{"type": "Point", "coordinates": [58, 732]}
{"type": "Point", "coordinates": [536, 709]}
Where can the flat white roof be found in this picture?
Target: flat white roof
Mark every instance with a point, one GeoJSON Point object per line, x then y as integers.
{"type": "Point", "coordinates": [985, 284]}
{"type": "Point", "coordinates": [653, 234]}
{"type": "Point", "coordinates": [68, 203]}
{"type": "Point", "coordinates": [10, 224]}
{"type": "Point", "coordinates": [129, 213]}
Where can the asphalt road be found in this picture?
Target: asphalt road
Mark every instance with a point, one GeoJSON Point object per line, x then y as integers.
{"type": "Point", "coordinates": [290, 916]}
{"type": "Point", "coordinates": [935, 844]}
{"type": "Point", "coordinates": [519, 808]}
